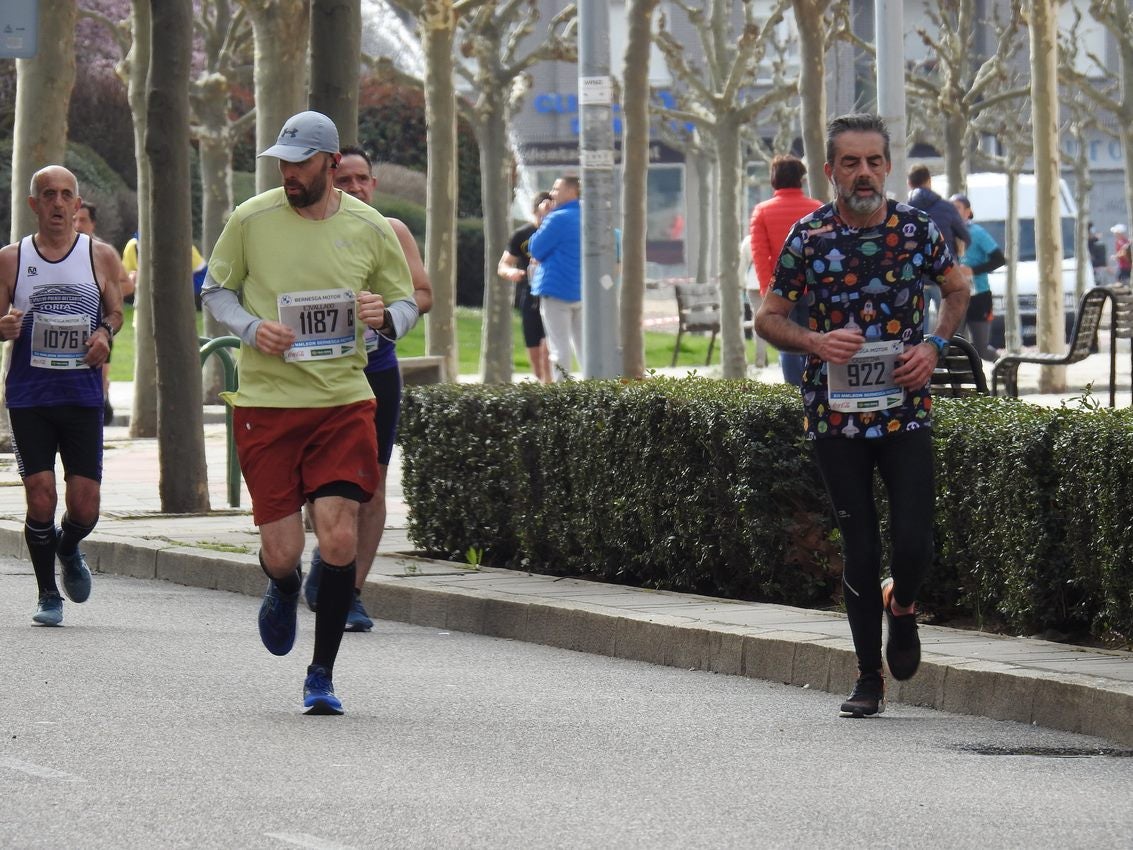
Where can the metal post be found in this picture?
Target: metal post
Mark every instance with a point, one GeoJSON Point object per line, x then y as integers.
{"type": "Point", "coordinates": [890, 41]}
{"type": "Point", "coordinates": [596, 160]}
{"type": "Point", "coordinates": [219, 347]}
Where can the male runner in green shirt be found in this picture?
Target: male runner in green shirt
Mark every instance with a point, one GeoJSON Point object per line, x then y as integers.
{"type": "Point", "coordinates": [296, 274]}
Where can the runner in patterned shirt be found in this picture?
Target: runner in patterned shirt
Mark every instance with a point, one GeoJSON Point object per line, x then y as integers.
{"type": "Point", "coordinates": [861, 263]}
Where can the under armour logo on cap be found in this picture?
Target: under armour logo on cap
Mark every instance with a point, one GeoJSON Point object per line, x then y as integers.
{"type": "Point", "coordinates": [303, 136]}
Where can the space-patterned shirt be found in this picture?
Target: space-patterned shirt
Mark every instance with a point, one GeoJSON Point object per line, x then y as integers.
{"type": "Point", "coordinates": [871, 278]}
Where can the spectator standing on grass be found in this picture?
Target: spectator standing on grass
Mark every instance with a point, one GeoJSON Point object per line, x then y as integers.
{"type": "Point", "coordinates": [515, 265]}
{"type": "Point", "coordinates": [771, 220]}
{"type": "Point", "coordinates": [557, 247]}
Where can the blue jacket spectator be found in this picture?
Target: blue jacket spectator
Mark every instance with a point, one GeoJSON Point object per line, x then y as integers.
{"type": "Point", "coordinates": [557, 245]}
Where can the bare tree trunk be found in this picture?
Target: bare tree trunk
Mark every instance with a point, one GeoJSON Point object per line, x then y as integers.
{"type": "Point", "coordinates": [1084, 274]}
{"type": "Point", "coordinates": [1012, 332]}
{"type": "Point", "coordinates": [280, 30]}
{"type": "Point", "coordinates": [635, 174]}
{"type": "Point", "coordinates": [39, 138]}
{"type": "Point", "coordinates": [214, 148]}
{"type": "Point", "coordinates": [183, 482]}
{"type": "Point", "coordinates": [1048, 231]}
{"type": "Point", "coordinates": [809, 16]}
{"type": "Point", "coordinates": [733, 351]}
{"type": "Point", "coordinates": [438, 23]}
{"type": "Point", "coordinates": [43, 94]}
{"type": "Point", "coordinates": [705, 216]}
{"type": "Point", "coordinates": [336, 48]}
{"type": "Point", "coordinates": [143, 416]}
{"type": "Point", "coordinates": [495, 171]}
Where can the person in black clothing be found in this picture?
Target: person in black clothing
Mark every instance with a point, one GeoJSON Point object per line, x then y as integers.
{"type": "Point", "coordinates": [943, 214]}
{"type": "Point", "coordinates": [516, 266]}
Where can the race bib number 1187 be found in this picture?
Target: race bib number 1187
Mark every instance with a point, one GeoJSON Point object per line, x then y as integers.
{"type": "Point", "coordinates": [323, 322]}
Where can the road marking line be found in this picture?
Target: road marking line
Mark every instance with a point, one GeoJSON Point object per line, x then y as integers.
{"type": "Point", "coordinates": [311, 842]}
{"type": "Point", "coordinates": [38, 770]}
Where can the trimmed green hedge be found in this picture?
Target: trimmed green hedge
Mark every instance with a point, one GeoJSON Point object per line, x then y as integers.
{"type": "Point", "coordinates": [707, 486]}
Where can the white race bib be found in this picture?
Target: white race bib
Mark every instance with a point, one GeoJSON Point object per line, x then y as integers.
{"type": "Point", "coordinates": [323, 322]}
{"type": "Point", "coordinates": [59, 341]}
{"type": "Point", "coordinates": [866, 382]}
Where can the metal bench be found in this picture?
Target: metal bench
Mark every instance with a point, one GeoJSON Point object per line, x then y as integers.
{"type": "Point", "coordinates": [1120, 327]}
{"type": "Point", "coordinates": [698, 310]}
{"type": "Point", "coordinates": [960, 371]}
{"type": "Point", "coordinates": [1086, 325]}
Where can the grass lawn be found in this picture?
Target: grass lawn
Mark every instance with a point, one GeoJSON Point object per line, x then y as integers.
{"type": "Point", "coordinates": [658, 345]}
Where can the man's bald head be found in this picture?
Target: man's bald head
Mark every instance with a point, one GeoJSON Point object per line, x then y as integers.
{"type": "Point", "coordinates": [52, 173]}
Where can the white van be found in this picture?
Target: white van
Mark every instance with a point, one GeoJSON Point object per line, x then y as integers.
{"type": "Point", "coordinates": [988, 195]}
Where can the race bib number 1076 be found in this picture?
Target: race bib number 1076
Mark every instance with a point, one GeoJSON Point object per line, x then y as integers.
{"type": "Point", "coordinates": [323, 322]}
{"type": "Point", "coordinates": [59, 341]}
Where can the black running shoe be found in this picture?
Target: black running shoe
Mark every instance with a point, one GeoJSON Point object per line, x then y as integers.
{"type": "Point", "coordinates": [903, 646]}
{"type": "Point", "coordinates": [868, 697]}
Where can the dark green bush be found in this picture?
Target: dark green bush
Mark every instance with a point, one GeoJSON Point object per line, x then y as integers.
{"type": "Point", "coordinates": [689, 485]}
{"type": "Point", "coordinates": [706, 486]}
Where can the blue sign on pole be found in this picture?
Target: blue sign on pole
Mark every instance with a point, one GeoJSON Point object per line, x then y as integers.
{"type": "Point", "coordinates": [19, 28]}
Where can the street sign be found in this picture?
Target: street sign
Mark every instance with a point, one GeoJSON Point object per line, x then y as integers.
{"type": "Point", "coordinates": [19, 28]}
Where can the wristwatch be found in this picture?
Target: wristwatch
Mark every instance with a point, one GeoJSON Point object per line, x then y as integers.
{"type": "Point", "coordinates": [106, 326]}
{"type": "Point", "coordinates": [940, 342]}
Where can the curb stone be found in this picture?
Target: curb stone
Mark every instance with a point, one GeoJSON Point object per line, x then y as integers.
{"type": "Point", "coordinates": [998, 690]}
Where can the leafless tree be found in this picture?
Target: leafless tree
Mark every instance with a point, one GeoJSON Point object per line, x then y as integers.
{"type": "Point", "coordinates": [436, 26]}
{"type": "Point", "coordinates": [717, 96]}
{"type": "Point", "coordinates": [635, 170]}
{"type": "Point", "coordinates": [495, 38]}
{"type": "Point", "coordinates": [336, 50]}
{"type": "Point", "coordinates": [955, 89]}
{"type": "Point", "coordinates": [1043, 18]}
{"type": "Point", "coordinates": [183, 481]}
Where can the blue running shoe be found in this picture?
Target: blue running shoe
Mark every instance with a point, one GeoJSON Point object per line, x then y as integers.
{"type": "Point", "coordinates": [318, 692]}
{"type": "Point", "coordinates": [311, 588]}
{"type": "Point", "coordinates": [49, 611]}
{"type": "Point", "coordinates": [358, 620]}
{"type": "Point", "coordinates": [76, 576]}
{"type": "Point", "coordinates": [278, 618]}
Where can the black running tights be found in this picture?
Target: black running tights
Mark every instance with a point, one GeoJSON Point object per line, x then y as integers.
{"type": "Point", "coordinates": [905, 464]}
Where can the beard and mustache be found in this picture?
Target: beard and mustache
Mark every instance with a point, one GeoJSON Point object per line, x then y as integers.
{"type": "Point", "coordinates": [861, 204]}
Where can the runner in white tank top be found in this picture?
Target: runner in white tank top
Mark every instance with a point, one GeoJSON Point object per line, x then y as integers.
{"type": "Point", "coordinates": [60, 302]}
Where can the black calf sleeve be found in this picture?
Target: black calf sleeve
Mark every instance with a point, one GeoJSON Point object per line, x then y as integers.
{"type": "Point", "coordinates": [41, 548]}
{"type": "Point", "coordinates": [72, 534]}
{"type": "Point", "coordinates": [336, 595]}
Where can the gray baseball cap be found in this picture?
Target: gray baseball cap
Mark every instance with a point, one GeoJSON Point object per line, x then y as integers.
{"type": "Point", "coordinates": [303, 136]}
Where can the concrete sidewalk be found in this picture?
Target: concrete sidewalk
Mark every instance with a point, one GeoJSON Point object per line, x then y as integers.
{"type": "Point", "coordinates": [1026, 680]}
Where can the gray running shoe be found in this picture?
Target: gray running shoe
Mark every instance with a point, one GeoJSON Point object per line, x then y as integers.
{"type": "Point", "coordinates": [49, 610]}
{"type": "Point", "coordinates": [76, 576]}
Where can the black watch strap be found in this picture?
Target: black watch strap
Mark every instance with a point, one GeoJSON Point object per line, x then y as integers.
{"type": "Point", "coordinates": [106, 326]}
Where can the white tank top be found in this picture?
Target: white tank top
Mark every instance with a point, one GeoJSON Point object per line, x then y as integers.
{"type": "Point", "coordinates": [62, 306]}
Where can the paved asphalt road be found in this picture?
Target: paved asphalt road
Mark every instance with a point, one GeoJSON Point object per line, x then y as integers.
{"type": "Point", "coordinates": [155, 719]}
